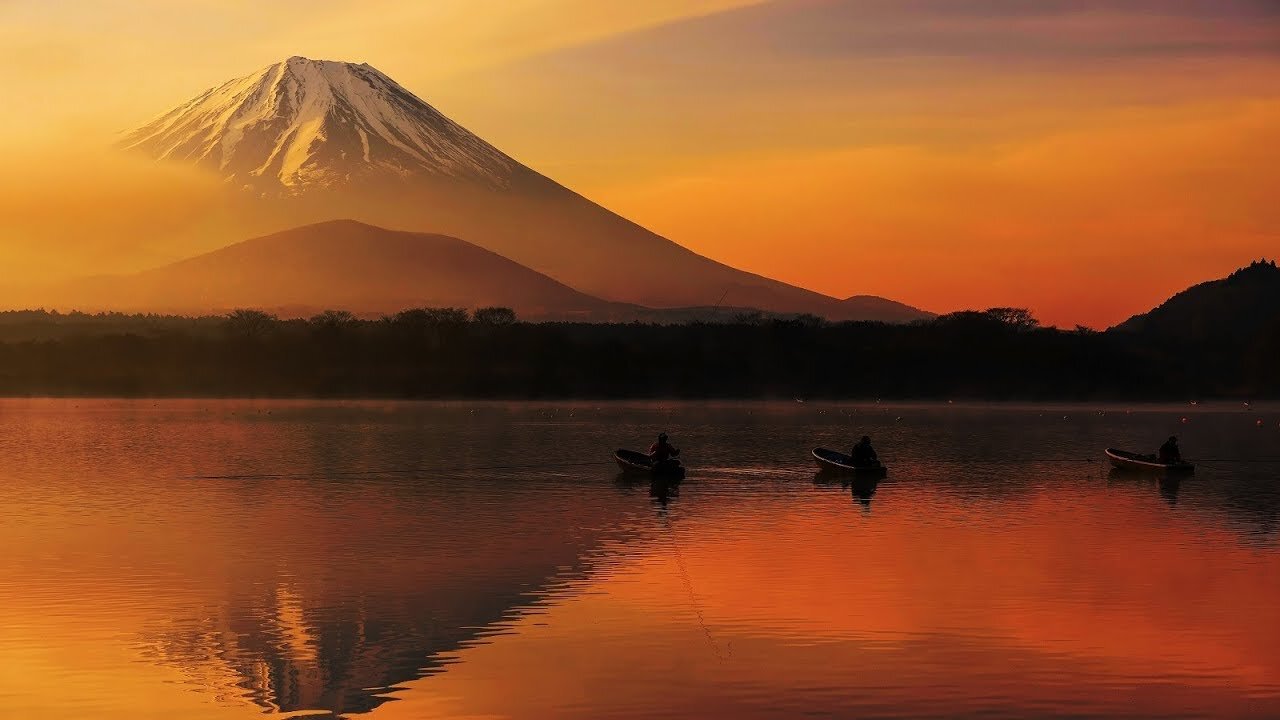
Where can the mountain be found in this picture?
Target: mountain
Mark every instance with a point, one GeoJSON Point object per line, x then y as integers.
{"type": "Point", "coordinates": [305, 140]}
{"type": "Point", "coordinates": [1239, 307]}
{"type": "Point", "coordinates": [303, 124]}
{"type": "Point", "coordinates": [342, 265]}
{"type": "Point", "coordinates": [878, 308]}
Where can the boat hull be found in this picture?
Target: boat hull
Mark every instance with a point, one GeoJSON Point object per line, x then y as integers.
{"type": "Point", "coordinates": [639, 464]}
{"type": "Point", "coordinates": [830, 461]}
{"type": "Point", "coordinates": [1133, 462]}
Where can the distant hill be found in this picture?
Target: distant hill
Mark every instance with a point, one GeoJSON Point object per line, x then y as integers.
{"type": "Point", "coordinates": [370, 271]}
{"type": "Point", "coordinates": [1238, 308]}
{"type": "Point", "coordinates": [344, 265]}
{"type": "Point", "coordinates": [860, 307]}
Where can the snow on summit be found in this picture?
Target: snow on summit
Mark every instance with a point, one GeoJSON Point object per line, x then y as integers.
{"type": "Point", "coordinates": [303, 124]}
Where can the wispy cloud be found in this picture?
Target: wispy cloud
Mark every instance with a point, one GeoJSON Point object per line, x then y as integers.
{"type": "Point", "coordinates": [1002, 29]}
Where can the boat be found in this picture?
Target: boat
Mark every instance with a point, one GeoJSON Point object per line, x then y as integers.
{"type": "Point", "coordinates": [837, 462]}
{"type": "Point", "coordinates": [1125, 460]}
{"type": "Point", "coordinates": [638, 463]}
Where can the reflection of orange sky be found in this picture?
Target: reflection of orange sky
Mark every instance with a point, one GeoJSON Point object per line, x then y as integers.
{"type": "Point", "coordinates": [792, 608]}
{"type": "Point", "coordinates": [91, 673]}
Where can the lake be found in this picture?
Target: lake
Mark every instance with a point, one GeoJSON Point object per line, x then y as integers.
{"type": "Point", "coordinates": [225, 559]}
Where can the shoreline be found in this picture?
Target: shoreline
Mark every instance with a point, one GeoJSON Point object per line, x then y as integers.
{"type": "Point", "coordinates": [1215, 406]}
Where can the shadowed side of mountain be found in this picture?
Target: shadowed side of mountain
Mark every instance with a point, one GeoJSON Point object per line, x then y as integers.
{"type": "Point", "coordinates": [338, 264]}
{"type": "Point", "coordinates": [1240, 307]}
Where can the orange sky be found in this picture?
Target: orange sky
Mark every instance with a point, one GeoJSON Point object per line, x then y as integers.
{"type": "Point", "coordinates": [1085, 158]}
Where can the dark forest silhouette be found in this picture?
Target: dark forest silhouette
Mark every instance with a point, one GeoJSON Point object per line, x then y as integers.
{"type": "Point", "coordinates": [1217, 339]}
{"type": "Point", "coordinates": [1000, 353]}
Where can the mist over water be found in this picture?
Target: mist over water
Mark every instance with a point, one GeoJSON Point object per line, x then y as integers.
{"type": "Point", "coordinates": [222, 559]}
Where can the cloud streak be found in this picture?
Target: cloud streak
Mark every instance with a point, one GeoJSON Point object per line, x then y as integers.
{"type": "Point", "coordinates": [1027, 31]}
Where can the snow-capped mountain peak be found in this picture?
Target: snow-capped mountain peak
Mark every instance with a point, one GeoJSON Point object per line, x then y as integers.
{"type": "Point", "coordinates": [302, 124]}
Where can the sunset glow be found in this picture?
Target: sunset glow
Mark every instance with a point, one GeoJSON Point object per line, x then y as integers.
{"type": "Point", "coordinates": [1006, 153]}
{"type": "Point", "coordinates": [621, 359]}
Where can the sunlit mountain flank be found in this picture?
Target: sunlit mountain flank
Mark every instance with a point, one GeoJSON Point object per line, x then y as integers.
{"type": "Point", "coordinates": [302, 124]}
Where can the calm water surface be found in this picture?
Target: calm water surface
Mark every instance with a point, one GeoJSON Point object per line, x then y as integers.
{"type": "Point", "coordinates": [204, 559]}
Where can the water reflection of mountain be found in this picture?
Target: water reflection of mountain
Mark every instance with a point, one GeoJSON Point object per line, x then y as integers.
{"type": "Point", "coordinates": [318, 626]}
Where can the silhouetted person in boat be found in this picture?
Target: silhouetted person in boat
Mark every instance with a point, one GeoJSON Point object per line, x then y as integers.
{"type": "Point", "coordinates": [863, 453]}
{"type": "Point", "coordinates": [662, 450]}
{"type": "Point", "coordinates": [1169, 452]}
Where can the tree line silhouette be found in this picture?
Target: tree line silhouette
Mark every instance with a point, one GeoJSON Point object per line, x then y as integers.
{"type": "Point", "coordinates": [1001, 353]}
